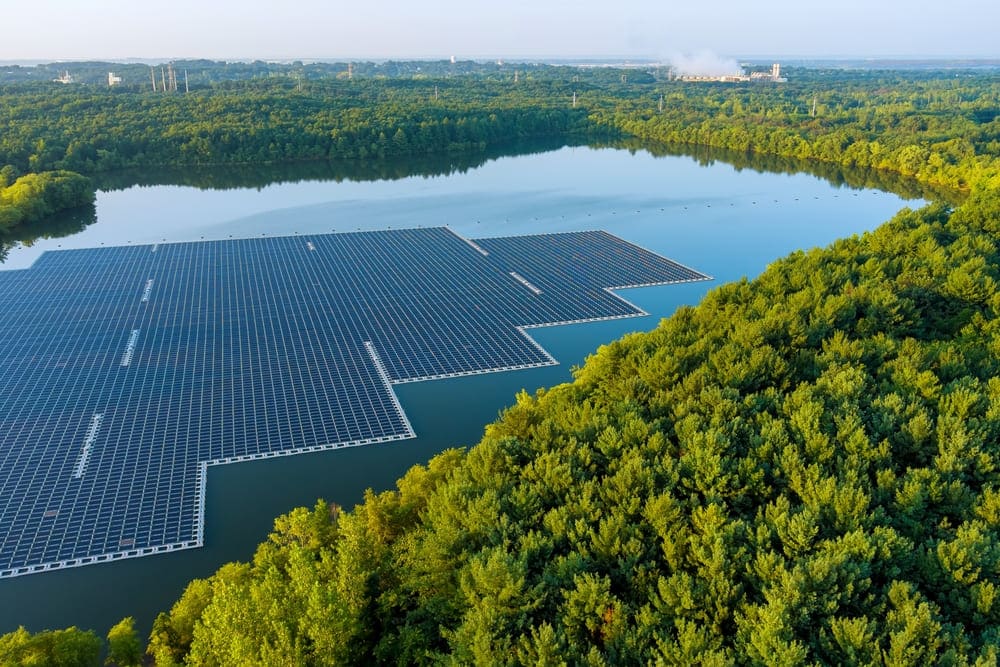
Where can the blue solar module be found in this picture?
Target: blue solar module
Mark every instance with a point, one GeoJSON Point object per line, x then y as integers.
{"type": "Point", "coordinates": [127, 371]}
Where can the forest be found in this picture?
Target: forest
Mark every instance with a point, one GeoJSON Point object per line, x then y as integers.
{"type": "Point", "coordinates": [942, 132]}
{"type": "Point", "coordinates": [35, 197]}
{"type": "Point", "coordinates": [802, 468]}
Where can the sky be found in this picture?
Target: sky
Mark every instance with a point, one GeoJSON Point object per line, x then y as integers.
{"type": "Point", "coordinates": [375, 29]}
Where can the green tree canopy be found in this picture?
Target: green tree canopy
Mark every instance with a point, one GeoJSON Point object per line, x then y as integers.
{"type": "Point", "coordinates": [124, 648]}
{"type": "Point", "coordinates": [51, 648]}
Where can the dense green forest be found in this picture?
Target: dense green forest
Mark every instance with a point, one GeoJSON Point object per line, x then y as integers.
{"type": "Point", "coordinates": [72, 647]}
{"type": "Point", "coordinates": [943, 131]}
{"type": "Point", "coordinates": [269, 122]}
{"type": "Point", "coordinates": [35, 197]}
{"type": "Point", "coordinates": [803, 468]}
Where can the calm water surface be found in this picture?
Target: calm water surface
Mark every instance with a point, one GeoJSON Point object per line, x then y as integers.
{"type": "Point", "coordinates": [721, 221]}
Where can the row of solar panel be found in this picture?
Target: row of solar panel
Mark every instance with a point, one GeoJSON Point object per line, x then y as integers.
{"type": "Point", "coordinates": [249, 348]}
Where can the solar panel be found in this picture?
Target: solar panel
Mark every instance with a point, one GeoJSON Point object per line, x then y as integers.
{"type": "Point", "coordinates": [129, 370]}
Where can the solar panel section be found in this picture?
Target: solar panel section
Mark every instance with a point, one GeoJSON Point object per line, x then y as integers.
{"type": "Point", "coordinates": [574, 274]}
{"type": "Point", "coordinates": [127, 371]}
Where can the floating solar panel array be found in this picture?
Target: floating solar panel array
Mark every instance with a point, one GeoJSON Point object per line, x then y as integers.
{"type": "Point", "coordinates": [126, 371]}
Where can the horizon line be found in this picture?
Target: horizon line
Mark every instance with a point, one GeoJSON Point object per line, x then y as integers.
{"type": "Point", "coordinates": [532, 59]}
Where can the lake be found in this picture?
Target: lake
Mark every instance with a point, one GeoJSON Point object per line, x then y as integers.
{"type": "Point", "coordinates": [725, 221]}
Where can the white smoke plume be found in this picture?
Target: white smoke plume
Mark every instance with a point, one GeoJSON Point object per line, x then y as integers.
{"type": "Point", "coordinates": [704, 63]}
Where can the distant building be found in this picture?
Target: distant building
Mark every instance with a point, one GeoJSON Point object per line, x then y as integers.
{"type": "Point", "coordinates": [774, 76]}
{"type": "Point", "coordinates": [113, 80]}
{"type": "Point", "coordinates": [65, 78]}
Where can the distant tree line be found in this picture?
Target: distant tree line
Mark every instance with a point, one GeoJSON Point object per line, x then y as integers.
{"type": "Point", "coordinates": [201, 73]}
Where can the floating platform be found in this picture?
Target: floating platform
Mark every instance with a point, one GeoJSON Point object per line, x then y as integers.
{"type": "Point", "coordinates": [127, 371]}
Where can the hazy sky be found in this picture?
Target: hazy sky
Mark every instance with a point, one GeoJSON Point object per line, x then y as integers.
{"type": "Point", "coordinates": [69, 29]}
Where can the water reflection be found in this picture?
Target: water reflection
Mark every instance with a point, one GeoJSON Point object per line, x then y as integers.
{"type": "Point", "coordinates": [64, 223]}
{"type": "Point", "coordinates": [262, 175]}
{"type": "Point", "coordinates": [446, 164]}
{"type": "Point", "coordinates": [258, 176]}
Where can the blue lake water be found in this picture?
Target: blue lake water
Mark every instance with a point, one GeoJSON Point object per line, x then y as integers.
{"type": "Point", "coordinates": [722, 221]}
